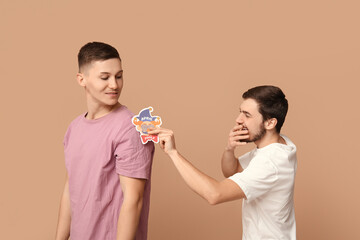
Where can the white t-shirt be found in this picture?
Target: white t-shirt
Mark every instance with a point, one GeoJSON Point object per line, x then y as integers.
{"type": "Point", "coordinates": [268, 183]}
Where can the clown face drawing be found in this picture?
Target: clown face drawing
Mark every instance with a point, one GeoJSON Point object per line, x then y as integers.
{"type": "Point", "coordinates": [143, 121]}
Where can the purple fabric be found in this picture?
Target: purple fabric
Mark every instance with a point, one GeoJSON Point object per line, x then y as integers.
{"type": "Point", "coordinates": [96, 152]}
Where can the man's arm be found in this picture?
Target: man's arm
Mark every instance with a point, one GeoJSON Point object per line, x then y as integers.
{"type": "Point", "coordinates": [64, 219]}
{"type": "Point", "coordinates": [210, 189]}
{"type": "Point", "coordinates": [133, 190]}
{"type": "Point", "coordinates": [229, 163]}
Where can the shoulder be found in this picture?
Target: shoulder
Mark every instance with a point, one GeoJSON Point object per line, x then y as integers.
{"type": "Point", "coordinates": [277, 155]}
{"type": "Point", "coordinates": [123, 111]}
{"type": "Point", "coordinates": [289, 144]}
{"type": "Point", "coordinates": [73, 124]}
{"type": "Point", "coordinates": [123, 116]}
{"type": "Point", "coordinates": [122, 121]}
{"type": "Point", "coordinates": [245, 159]}
{"type": "Point", "coordinates": [279, 148]}
{"type": "Point", "coordinates": [118, 121]}
{"type": "Point", "coordinates": [247, 155]}
{"type": "Point", "coordinates": [76, 121]}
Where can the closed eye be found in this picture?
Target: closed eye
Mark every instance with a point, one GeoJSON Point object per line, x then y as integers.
{"type": "Point", "coordinates": [247, 114]}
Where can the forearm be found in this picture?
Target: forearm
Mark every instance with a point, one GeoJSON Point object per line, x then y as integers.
{"type": "Point", "coordinates": [208, 188]}
{"type": "Point", "coordinates": [129, 219]}
{"type": "Point", "coordinates": [199, 182]}
{"type": "Point", "coordinates": [64, 219]}
{"type": "Point", "coordinates": [229, 163]}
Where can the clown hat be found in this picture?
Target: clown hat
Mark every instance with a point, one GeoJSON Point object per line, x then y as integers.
{"type": "Point", "coordinates": [145, 115]}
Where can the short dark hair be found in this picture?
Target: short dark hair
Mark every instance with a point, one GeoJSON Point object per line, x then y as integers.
{"type": "Point", "coordinates": [272, 103]}
{"type": "Point", "coordinates": [96, 51]}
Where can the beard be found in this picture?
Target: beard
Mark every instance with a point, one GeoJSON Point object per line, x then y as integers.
{"type": "Point", "coordinates": [260, 133]}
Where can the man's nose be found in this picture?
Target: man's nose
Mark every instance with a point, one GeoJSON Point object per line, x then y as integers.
{"type": "Point", "coordinates": [112, 83]}
{"type": "Point", "coordinates": [240, 119]}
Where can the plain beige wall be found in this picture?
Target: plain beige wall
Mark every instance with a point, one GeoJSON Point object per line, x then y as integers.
{"type": "Point", "coordinates": [191, 61]}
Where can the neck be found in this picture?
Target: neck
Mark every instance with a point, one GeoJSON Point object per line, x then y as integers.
{"type": "Point", "coordinates": [269, 138]}
{"type": "Point", "coordinates": [98, 111]}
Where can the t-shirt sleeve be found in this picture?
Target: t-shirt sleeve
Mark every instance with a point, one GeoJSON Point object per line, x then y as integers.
{"type": "Point", "coordinates": [133, 159]}
{"type": "Point", "coordinates": [244, 160]}
{"type": "Point", "coordinates": [257, 179]}
{"type": "Point", "coordinates": [67, 135]}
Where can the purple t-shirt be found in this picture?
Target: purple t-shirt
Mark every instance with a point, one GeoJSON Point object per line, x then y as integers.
{"type": "Point", "coordinates": [96, 152]}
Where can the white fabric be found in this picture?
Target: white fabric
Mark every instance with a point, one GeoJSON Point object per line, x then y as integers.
{"type": "Point", "coordinates": [268, 182]}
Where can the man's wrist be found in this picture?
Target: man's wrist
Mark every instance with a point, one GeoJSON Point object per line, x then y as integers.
{"type": "Point", "coordinates": [173, 153]}
{"type": "Point", "coordinates": [229, 149]}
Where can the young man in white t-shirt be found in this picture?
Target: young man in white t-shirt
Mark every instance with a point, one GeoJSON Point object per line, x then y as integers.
{"type": "Point", "coordinates": [264, 177]}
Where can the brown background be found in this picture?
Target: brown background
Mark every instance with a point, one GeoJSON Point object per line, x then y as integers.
{"type": "Point", "coordinates": [191, 61]}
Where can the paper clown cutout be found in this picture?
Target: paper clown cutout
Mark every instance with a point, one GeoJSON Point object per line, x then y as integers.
{"type": "Point", "coordinates": [143, 121]}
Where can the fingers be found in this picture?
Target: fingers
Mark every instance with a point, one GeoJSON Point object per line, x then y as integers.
{"type": "Point", "coordinates": [238, 143]}
{"type": "Point", "coordinates": [237, 131]}
{"type": "Point", "coordinates": [237, 127]}
{"type": "Point", "coordinates": [166, 138]}
{"type": "Point", "coordinates": [162, 144]}
{"type": "Point", "coordinates": [237, 137]}
{"type": "Point", "coordinates": [153, 131]}
{"type": "Point", "coordinates": [165, 134]}
{"type": "Point", "coordinates": [158, 131]}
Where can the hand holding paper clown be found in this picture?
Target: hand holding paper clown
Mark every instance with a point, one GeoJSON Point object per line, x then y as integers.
{"type": "Point", "coordinates": [166, 139]}
{"type": "Point", "coordinates": [148, 126]}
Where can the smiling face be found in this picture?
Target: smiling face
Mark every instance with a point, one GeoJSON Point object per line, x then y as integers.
{"type": "Point", "coordinates": [103, 81]}
{"type": "Point", "coordinates": [251, 119]}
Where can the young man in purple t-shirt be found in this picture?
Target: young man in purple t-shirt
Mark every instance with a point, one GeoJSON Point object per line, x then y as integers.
{"type": "Point", "coordinates": [107, 190]}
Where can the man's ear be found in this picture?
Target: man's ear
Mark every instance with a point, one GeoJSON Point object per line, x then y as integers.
{"type": "Point", "coordinates": [270, 123]}
{"type": "Point", "coordinates": [80, 79]}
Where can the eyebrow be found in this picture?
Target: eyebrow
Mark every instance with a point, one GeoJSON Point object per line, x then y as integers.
{"type": "Point", "coordinates": [246, 112]}
{"type": "Point", "coordinates": [121, 71]}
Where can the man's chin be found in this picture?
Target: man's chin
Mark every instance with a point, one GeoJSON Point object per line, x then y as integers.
{"type": "Point", "coordinates": [112, 103]}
